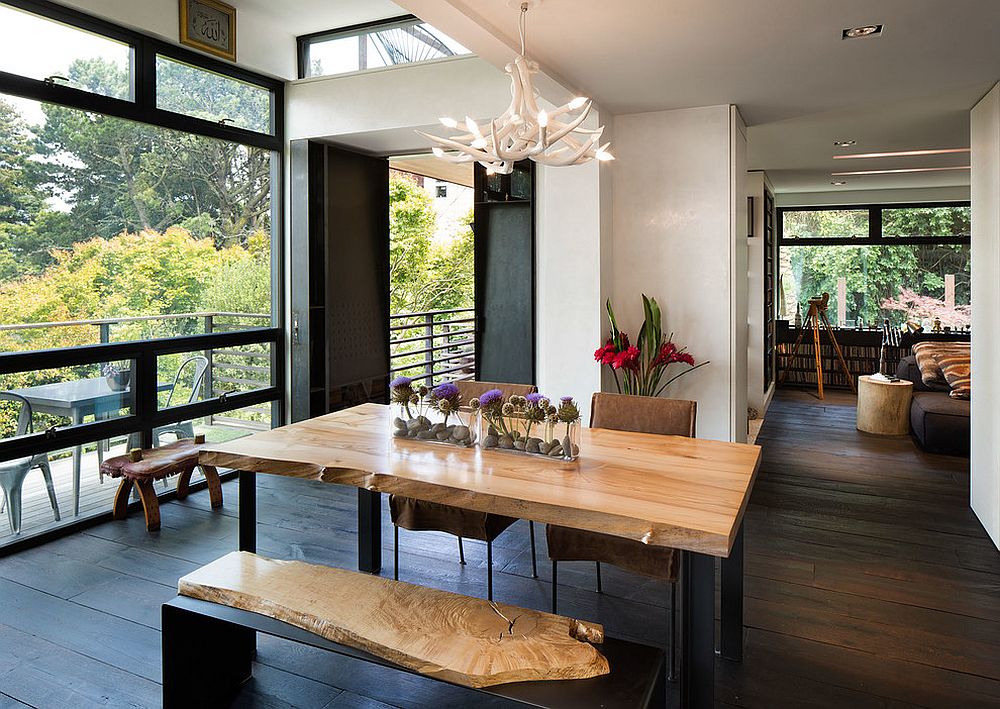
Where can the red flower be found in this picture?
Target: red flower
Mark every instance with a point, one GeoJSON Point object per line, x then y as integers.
{"type": "Point", "coordinates": [666, 355]}
{"type": "Point", "coordinates": [685, 358]}
{"type": "Point", "coordinates": [605, 354]}
{"type": "Point", "coordinates": [628, 359]}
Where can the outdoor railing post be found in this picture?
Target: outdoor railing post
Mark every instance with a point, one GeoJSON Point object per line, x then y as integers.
{"type": "Point", "coordinates": [105, 329]}
{"type": "Point", "coordinates": [429, 346]}
{"type": "Point", "coordinates": [208, 386]}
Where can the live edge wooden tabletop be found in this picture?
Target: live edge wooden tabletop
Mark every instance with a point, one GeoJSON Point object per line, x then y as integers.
{"type": "Point", "coordinates": [671, 491]}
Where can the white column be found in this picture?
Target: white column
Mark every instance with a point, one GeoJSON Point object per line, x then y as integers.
{"type": "Point", "coordinates": [985, 462]}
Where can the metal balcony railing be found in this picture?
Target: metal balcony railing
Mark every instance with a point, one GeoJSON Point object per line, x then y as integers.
{"type": "Point", "coordinates": [433, 346]}
{"type": "Point", "coordinates": [229, 370]}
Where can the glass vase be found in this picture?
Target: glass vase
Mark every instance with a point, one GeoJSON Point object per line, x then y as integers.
{"type": "Point", "coordinates": [422, 423]}
{"type": "Point", "coordinates": [514, 434]}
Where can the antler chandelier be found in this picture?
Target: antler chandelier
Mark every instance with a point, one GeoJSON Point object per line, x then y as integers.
{"type": "Point", "coordinates": [524, 130]}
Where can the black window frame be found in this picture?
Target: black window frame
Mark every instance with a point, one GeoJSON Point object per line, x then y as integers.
{"type": "Point", "coordinates": [874, 236]}
{"type": "Point", "coordinates": [303, 41]}
{"type": "Point", "coordinates": [143, 108]}
{"type": "Point", "coordinates": [145, 415]}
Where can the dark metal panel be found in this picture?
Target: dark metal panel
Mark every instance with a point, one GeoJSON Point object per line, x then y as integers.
{"type": "Point", "coordinates": [505, 277]}
{"type": "Point", "coordinates": [357, 288]}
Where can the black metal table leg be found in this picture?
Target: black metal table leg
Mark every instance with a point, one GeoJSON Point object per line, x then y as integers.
{"type": "Point", "coordinates": [369, 531]}
{"type": "Point", "coordinates": [731, 640]}
{"type": "Point", "coordinates": [248, 511]}
{"type": "Point", "coordinates": [697, 631]}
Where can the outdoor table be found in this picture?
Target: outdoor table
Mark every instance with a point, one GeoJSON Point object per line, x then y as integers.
{"type": "Point", "coordinates": [670, 491]}
{"type": "Point", "coordinates": [76, 399]}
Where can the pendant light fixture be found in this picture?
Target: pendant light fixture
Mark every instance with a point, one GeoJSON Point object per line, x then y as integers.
{"type": "Point", "coordinates": [555, 138]}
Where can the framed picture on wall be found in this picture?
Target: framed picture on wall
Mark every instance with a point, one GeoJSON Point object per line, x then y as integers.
{"type": "Point", "coordinates": [209, 25]}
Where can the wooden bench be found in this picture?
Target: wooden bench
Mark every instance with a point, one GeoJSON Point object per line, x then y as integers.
{"type": "Point", "coordinates": [142, 467]}
{"type": "Point", "coordinates": [519, 657]}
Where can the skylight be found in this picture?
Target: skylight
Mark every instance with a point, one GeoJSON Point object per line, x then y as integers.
{"type": "Point", "coordinates": [406, 40]}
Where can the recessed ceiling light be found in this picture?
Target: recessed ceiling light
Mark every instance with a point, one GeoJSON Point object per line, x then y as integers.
{"type": "Point", "coordinates": [838, 183]}
{"type": "Point", "coordinates": [903, 153]}
{"type": "Point", "coordinates": [844, 143]}
{"type": "Point", "coordinates": [900, 170]}
{"type": "Point", "coordinates": [861, 31]}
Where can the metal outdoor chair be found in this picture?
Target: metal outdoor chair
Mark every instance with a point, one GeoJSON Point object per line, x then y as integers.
{"type": "Point", "coordinates": [13, 472]}
{"type": "Point", "coordinates": [181, 429]}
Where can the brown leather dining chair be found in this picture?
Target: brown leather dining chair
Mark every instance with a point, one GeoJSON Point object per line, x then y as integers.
{"type": "Point", "coordinates": [421, 516]}
{"type": "Point", "coordinates": [641, 414]}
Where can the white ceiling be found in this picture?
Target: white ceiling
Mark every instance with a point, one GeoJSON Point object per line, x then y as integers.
{"type": "Point", "coordinates": [298, 17]}
{"type": "Point", "coordinates": [783, 62]}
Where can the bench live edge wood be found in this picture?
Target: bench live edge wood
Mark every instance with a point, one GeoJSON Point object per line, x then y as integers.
{"type": "Point", "coordinates": [525, 657]}
{"type": "Point", "coordinates": [685, 493]}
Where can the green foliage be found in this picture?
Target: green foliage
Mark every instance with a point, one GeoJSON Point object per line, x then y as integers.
{"type": "Point", "coordinates": [876, 273]}
{"type": "Point", "coordinates": [425, 274]}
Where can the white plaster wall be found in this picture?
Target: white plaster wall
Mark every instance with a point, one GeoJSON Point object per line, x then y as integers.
{"type": "Point", "coordinates": [569, 266]}
{"type": "Point", "coordinates": [398, 100]}
{"type": "Point", "coordinates": [678, 183]}
{"type": "Point", "coordinates": [259, 45]}
{"type": "Point", "coordinates": [985, 460]}
{"type": "Point", "coordinates": [897, 196]}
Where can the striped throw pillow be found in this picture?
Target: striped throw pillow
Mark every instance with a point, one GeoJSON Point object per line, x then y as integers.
{"type": "Point", "coordinates": [928, 356]}
{"type": "Point", "coordinates": [957, 371]}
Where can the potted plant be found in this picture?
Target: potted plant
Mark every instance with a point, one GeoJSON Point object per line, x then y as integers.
{"type": "Point", "coordinates": [426, 414]}
{"type": "Point", "coordinates": [118, 376]}
{"type": "Point", "coordinates": [640, 368]}
{"type": "Point", "coordinates": [529, 424]}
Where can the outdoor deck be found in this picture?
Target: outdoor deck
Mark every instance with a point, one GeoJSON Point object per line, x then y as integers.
{"type": "Point", "coordinates": [869, 584]}
{"type": "Point", "coordinates": [95, 496]}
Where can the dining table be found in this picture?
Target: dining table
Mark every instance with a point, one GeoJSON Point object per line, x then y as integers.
{"type": "Point", "coordinates": [670, 491]}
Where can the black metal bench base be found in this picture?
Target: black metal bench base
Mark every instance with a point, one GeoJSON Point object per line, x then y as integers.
{"type": "Point", "coordinates": [208, 654]}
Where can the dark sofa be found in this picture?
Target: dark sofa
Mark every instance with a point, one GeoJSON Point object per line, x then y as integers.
{"type": "Point", "coordinates": [939, 423]}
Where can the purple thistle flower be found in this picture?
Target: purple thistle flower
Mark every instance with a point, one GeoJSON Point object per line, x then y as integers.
{"type": "Point", "coordinates": [534, 397]}
{"type": "Point", "coordinates": [490, 397]}
{"type": "Point", "coordinates": [566, 399]}
{"type": "Point", "coordinates": [400, 382]}
{"type": "Point", "coordinates": [445, 391]}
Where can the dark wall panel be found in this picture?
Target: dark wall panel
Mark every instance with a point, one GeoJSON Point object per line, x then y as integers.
{"type": "Point", "coordinates": [357, 289]}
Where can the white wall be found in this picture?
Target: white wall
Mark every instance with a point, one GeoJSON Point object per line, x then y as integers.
{"type": "Point", "coordinates": [387, 105]}
{"type": "Point", "coordinates": [985, 461]}
{"type": "Point", "coordinates": [259, 45]}
{"type": "Point", "coordinates": [757, 396]}
{"type": "Point", "coordinates": [572, 260]}
{"type": "Point", "coordinates": [897, 196]}
{"type": "Point", "coordinates": [678, 236]}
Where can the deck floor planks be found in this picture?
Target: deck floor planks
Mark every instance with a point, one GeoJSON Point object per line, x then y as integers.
{"type": "Point", "coordinates": [869, 584]}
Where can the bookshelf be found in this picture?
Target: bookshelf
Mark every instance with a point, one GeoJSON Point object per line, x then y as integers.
{"type": "Point", "coordinates": [861, 350]}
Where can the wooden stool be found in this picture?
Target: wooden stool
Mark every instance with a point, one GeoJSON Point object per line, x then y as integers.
{"type": "Point", "coordinates": [142, 467]}
{"type": "Point", "coordinates": [884, 407]}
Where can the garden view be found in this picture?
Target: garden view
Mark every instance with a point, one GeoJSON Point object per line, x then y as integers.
{"type": "Point", "coordinates": [899, 282]}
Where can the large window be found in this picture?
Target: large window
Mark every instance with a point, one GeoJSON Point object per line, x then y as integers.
{"type": "Point", "coordinates": [139, 272]}
{"type": "Point", "coordinates": [403, 40]}
{"type": "Point", "coordinates": [905, 263]}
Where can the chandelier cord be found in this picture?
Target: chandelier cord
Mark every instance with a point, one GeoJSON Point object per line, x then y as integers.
{"type": "Point", "coordinates": [520, 24]}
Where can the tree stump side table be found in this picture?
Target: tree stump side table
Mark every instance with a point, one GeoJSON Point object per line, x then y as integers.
{"type": "Point", "coordinates": [884, 407]}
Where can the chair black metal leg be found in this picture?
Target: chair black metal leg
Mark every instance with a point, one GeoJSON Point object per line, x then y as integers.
{"type": "Point", "coordinates": [554, 585]}
{"type": "Point", "coordinates": [672, 647]}
{"type": "Point", "coordinates": [534, 558]}
{"type": "Point", "coordinates": [489, 570]}
{"type": "Point", "coordinates": [395, 552]}
{"type": "Point", "coordinates": [461, 552]}
{"type": "Point", "coordinates": [599, 589]}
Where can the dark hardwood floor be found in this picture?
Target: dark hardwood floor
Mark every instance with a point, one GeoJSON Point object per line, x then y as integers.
{"type": "Point", "coordinates": [869, 584]}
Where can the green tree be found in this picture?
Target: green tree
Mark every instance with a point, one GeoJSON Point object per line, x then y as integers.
{"type": "Point", "coordinates": [411, 231]}
{"type": "Point", "coordinates": [123, 176]}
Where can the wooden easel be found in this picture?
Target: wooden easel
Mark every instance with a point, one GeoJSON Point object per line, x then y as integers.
{"type": "Point", "coordinates": [814, 318]}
